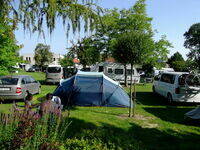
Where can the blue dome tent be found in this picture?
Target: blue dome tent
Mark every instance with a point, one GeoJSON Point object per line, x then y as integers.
{"type": "Point", "coordinates": [92, 89]}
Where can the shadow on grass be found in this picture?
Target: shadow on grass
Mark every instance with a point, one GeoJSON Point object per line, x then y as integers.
{"type": "Point", "coordinates": [170, 114]}
{"type": "Point", "coordinates": [136, 137]}
{"type": "Point", "coordinates": [150, 99]}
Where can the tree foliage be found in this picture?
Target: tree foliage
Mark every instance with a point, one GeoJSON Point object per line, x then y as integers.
{"type": "Point", "coordinates": [192, 42]}
{"type": "Point", "coordinates": [180, 66]}
{"type": "Point", "coordinates": [66, 61]}
{"type": "Point", "coordinates": [9, 50]}
{"type": "Point", "coordinates": [132, 39]}
{"type": "Point", "coordinates": [132, 47]}
{"type": "Point", "coordinates": [148, 69]}
{"type": "Point", "coordinates": [86, 50]}
{"type": "Point", "coordinates": [177, 62]}
{"type": "Point", "coordinates": [37, 14]}
{"type": "Point", "coordinates": [176, 57]}
{"type": "Point", "coordinates": [43, 56]}
{"type": "Point", "coordinates": [9, 55]}
{"type": "Point", "coordinates": [115, 22]}
{"type": "Point", "coordinates": [158, 56]}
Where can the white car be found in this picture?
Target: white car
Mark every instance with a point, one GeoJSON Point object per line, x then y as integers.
{"type": "Point", "coordinates": [173, 86]}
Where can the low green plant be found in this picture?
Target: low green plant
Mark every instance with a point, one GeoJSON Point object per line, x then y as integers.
{"type": "Point", "coordinates": [30, 131]}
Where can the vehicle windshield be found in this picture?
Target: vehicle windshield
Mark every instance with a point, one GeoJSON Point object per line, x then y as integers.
{"type": "Point", "coordinates": [8, 81]}
{"type": "Point", "coordinates": [54, 69]}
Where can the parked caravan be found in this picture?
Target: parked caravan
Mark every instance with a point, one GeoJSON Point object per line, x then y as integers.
{"type": "Point", "coordinates": [116, 71]}
{"type": "Point", "coordinates": [54, 73]}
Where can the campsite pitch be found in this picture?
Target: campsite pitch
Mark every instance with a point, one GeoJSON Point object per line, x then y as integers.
{"type": "Point", "coordinates": [155, 126]}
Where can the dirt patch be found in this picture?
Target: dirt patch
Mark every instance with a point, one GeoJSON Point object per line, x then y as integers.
{"type": "Point", "coordinates": [145, 120]}
{"type": "Point", "coordinates": [150, 125]}
{"type": "Point", "coordinates": [136, 117]}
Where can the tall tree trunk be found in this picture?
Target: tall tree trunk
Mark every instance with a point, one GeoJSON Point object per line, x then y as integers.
{"type": "Point", "coordinates": [131, 95]}
{"type": "Point", "coordinates": [125, 79]}
{"type": "Point", "coordinates": [134, 99]}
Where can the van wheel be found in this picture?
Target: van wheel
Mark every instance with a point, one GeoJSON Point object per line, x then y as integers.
{"type": "Point", "coordinates": [169, 98]}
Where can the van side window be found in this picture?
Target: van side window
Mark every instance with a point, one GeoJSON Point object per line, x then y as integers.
{"type": "Point", "coordinates": [119, 71]}
{"type": "Point", "coordinates": [110, 70]}
{"type": "Point", "coordinates": [168, 78]}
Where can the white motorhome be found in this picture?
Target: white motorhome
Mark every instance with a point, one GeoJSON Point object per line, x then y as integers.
{"type": "Point", "coordinates": [116, 71]}
{"type": "Point", "coordinates": [54, 73]}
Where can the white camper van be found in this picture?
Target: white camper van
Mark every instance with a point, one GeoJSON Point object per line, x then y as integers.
{"type": "Point", "coordinates": [54, 73]}
{"type": "Point", "coordinates": [116, 71]}
{"type": "Point", "coordinates": [178, 86]}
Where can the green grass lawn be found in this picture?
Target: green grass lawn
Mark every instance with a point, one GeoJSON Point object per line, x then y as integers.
{"type": "Point", "coordinates": [155, 125]}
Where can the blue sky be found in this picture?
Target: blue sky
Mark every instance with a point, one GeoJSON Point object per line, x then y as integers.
{"type": "Point", "coordinates": [170, 17]}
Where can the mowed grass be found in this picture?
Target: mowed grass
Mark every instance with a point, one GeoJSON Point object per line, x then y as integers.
{"type": "Point", "coordinates": [156, 125]}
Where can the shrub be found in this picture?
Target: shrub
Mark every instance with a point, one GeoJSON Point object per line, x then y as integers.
{"type": "Point", "coordinates": [28, 131]}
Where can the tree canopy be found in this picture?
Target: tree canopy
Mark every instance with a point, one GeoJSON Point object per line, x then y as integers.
{"type": "Point", "coordinates": [66, 61]}
{"type": "Point", "coordinates": [133, 47]}
{"type": "Point", "coordinates": [115, 22]}
{"type": "Point", "coordinates": [8, 49]}
{"type": "Point", "coordinates": [86, 50]}
{"type": "Point", "coordinates": [37, 14]}
{"type": "Point", "coordinates": [192, 42]}
{"type": "Point", "coordinates": [177, 62]}
{"type": "Point", "coordinates": [43, 56]}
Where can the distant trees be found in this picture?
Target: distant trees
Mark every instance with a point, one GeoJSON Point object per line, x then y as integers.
{"type": "Point", "coordinates": [148, 69]}
{"type": "Point", "coordinates": [177, 62]}
{"type": "Point", "coordinates": [43, 56]}
{"type": "Point", "coordinates": [192, 42]}
{"type": "Point", "coordinates": [66, 61]}
{"type": "Point", "coordinates": [86, 50]}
